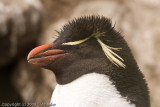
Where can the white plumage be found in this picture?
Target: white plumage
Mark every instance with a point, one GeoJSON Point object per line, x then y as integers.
{"type": "Point", "coordinates": [90, 90]}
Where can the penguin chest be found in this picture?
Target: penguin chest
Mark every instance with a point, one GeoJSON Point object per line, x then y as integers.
{"type": "Point", "coordinates": [90, 90]}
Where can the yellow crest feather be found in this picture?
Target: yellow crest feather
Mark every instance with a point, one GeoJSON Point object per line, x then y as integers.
{"type": "Point", "coordinates": [76, 42]}
{"type": "Point", "coordinates": [107, 49]}
{"type": "Point", "coordinates": [111, 55]}
{"type": "Point", "coordinates": [83, 40]}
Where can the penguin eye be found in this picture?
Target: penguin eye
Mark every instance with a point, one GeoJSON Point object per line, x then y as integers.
{"type": "Point", "coordinates": [82, 46]}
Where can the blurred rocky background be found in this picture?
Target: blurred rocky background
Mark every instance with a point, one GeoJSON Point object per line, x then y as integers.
{"type": "Point", "coordinates": [25, 24]}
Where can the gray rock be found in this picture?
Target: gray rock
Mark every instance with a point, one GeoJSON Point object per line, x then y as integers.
{"type": "Point", "coordinates": [20, 26]}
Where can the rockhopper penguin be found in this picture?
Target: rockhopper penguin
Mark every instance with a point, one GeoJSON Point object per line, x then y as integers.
{"type": "Point", "coordinates": [93, 65]}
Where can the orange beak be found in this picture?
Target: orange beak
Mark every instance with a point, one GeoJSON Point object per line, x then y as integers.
{"type": "Point", "coordinates": [42, 55]}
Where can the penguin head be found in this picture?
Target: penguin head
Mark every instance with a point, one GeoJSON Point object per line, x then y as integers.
{"type": "Point", "coordinates": [91, 44]}
{"type": "Point", "coordinates": [85, 45]}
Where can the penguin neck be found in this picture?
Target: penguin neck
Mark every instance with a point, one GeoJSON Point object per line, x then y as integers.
{"type": "Point", "coordinates": [89, 89]}
{"type": "Point", "coordinates": [69, 73]}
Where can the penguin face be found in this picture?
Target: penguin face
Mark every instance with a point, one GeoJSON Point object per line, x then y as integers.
{"type": "Point", "coordinates": [84, 45]}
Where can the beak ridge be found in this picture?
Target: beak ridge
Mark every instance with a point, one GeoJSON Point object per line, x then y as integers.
{"type": "Point", "coordinates": [37, 50]}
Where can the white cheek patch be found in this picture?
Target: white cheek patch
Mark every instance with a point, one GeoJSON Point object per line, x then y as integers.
{"type": "Point", "coordinates": [112, 56]}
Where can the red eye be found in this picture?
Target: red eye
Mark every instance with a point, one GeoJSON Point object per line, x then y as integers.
{"type": "Point", "coordinates": [82, 45]}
